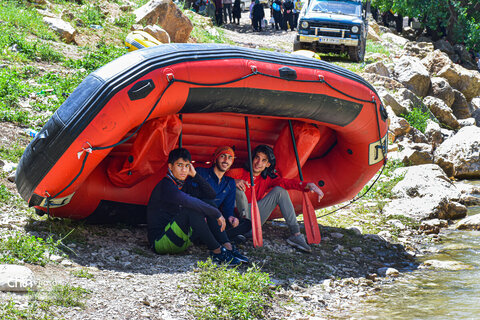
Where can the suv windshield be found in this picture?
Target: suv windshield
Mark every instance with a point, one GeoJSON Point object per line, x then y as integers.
{"type": "Point", "coordinates": [340, 7]}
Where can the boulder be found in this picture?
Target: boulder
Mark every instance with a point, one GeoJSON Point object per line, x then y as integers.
{"type": "Point", "coordinates": [373, 36]}
{"type": "Point", "coordinates": [393, 38]}
{"type": "Point", "coordinates": [452, 211]}
{"type": "Point", "coordinates": [464, 80]}
{"type": "Point", "coordinates": [390, 101]}
{"type": "Point", "coordinates": [467, 122]}
{"type": "Point", "coordinates": [372, 24]}
{"type": "Point", "coordinates": [167, 15]}
{"type": "Point", "coordinates": [419, 49]}
{"type": "Point", "coordinates": [417, 154]}
{"type": "Point", "coordinates": [424, 193]}
{"type": "Point", "coordinates": [441, 89]}
{"type": "Point", "coordinates": [433, 133]}
{"type": "Point", "coordinates": [381, 81]}
{"type": "Point", "coordinates": [459, 156]}
{"type": "Point", "coordinates": [474, 104]}
{"type": "Point", "coordinates": [16, 278]}
{"type": "Point", "coordinates": [442, 112]}
{"type": "Point", "coordinates": [436, 61]}
{"type": "Point", "coordinates": [476, 116]}
{"type": "Point", "coordinates": [399, 126]}
{"type": "Point", "coordinates": [433, 226]}
{"type": "Point", "coordinates": [460, 106]}
{"type": "Point", "coordinates": [444, 46]}
{"type": "Point", "coordinates": [407, 99]}
{"type": "Point", "coordinates": [412, 74]}
{"type": "Point", "coordinates": [62, 28]}
{"type": "Point", "coordinates": [158, 33]}
{"type": "Point", "coordinates": [378, 68]}
{"type": "Point", "coordinates": [465, 57]}
{"type": "Point", "coordinates": [469, 223]}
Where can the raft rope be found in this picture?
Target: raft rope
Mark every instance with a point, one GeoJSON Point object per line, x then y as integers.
{"type": "Point", "coordinates": [171, 80]}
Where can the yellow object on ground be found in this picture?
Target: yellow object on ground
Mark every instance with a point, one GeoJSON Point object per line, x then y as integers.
{"type": "Point", "coordinates": [307, 53]}
{"type": "Point", "coordinates": [140, 39]}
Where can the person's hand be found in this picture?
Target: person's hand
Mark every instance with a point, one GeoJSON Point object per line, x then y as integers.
{"type": "Point", "coordinates": [242, 184]}
{"type": "Point", "coordinates": [191, 170]}
{"type": "Point", "coordinates": [314, 188]}
{"type": "Point", "coordinates": [221, 223]}
{"type": "Point", "coordinates": [233, 221]}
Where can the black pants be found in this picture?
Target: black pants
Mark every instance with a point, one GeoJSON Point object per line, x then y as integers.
{"type": "Point", "coordinates": [288, 17]}
{"type": "Point", "coordinates": [227, 11]}
{"type": "Point", "coordinates": [243, 227]}
{"type": "Point", "coordinates": [257, 24]}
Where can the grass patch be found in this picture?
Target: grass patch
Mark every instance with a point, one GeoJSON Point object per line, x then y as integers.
{"type": "Point", "coordinates": [417, 119]}
{"type": "Point", "coordinates": [14, 153]}
{"type": "Point", "coordinates": [21, 248]}
{"type": "Point", "coordinates": [376, 47]}
{"type": "Point", "coordinates": [231, 294]}
{"type": "Point", "coordinates": [82, 273]}
{"type": "Point", "coordinates": [66, 295]}
{"type": "Point", "coordinates": [93, 60]}
{"type": "Point", "coordinates": [92, 15]}
{"type": "Point", "coordinates": [5, 194]}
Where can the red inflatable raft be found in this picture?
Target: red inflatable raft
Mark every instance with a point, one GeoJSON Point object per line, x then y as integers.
{"type": "Point", "coordinates": [105, 148]}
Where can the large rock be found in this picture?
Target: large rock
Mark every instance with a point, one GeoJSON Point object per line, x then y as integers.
{"type": "Point", "coordinates": [167, 15]}
{"type": "Point", "coordinates": [373, 36]}
{"type": "Point", "coordinates": [64, 29]}
{"type": "Point", "coordinates": [412, 73]}
{"type": "Point", "coordinates": [16, 278]}
{"type": "Point", "coordinates": [464, 80]}
{"type": "Point", "coordinates": [407, 99]}
{"type": "Point", "coordinates": [469, 223]}
{"type": "Point", "coordinates": [442, 112]}
{"type": "Point", "coordinates": [459, 156]}
{"type": "Point", "coordinates": [390, 101]}
{"type": "Point", "coordinates": [476, 116]}
{"type": "Point", "coordinates": [460, 105]}
{"type": "Point", "coordinates": [433, 132]}
{"type": "Point", "coordinates": [465, 57]}
{"type": "Point", "coordinates": [441, 89]}
{"type": "Point", "coordinates": [445, 265]}
{"type": "Point", "coordinates": [399, 126]}
{"type": "Point", "coordinates": [424, 193]}
{"type": "Point", "coordinates": [416, 154]}
{"type": "Point", "coordinates": [393, 38]}
{"type": "Point", "coordinates": [381, 81]}
{"type": "Point", "coordinates": [444, 46]}
{"type": "Point", "coordinates": [158, 33]}
{"type": "Point", "coordinates": [436, 61]}
{"type": "Point", "coordinates": [419, 49]}
{"type": "Point", "coordinates": [378, 68]}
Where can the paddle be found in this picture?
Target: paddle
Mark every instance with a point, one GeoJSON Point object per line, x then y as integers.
{"type": "Point", "coordinates": [309, 217]}
{"type": "Point", "coordinates": [254, 213]}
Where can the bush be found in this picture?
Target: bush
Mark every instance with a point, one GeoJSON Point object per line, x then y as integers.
{"type": "Point", "coordinates": [418, 119]}
{"type": "Point", "coordinates": [21, 248]}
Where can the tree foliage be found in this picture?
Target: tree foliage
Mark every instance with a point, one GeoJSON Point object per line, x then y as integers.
{"type": "Point", "coordinates": [458, 20]}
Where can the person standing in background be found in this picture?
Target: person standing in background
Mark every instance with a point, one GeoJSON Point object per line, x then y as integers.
{"type": "Point", "coordinates": [227, 10]}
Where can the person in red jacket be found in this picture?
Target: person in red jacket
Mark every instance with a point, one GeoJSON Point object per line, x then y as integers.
{"type": "Point", "coordinates": [270, 191]}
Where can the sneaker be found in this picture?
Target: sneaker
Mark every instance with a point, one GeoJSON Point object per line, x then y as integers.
{"type": "Point", "coordinates": [299, 243]}
{"type": "Point", "coordinates": [239, 239]}
{"type": "Point", "coordinates": [224, 257]}
{"type": "Point", "coordinates": [234, 252]}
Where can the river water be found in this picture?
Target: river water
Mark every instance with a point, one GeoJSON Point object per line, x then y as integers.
{"type": "Point", "coordinates": [434, 294]}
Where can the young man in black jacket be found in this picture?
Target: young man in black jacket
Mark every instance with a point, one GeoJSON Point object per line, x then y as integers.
{"type": "Point", "coordinates": [176, 214]}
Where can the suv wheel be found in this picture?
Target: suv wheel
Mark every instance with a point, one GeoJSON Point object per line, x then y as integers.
{"type": "Point", "coordinates": [357, 54]}
{"type": "Point", "coordinates": [297, 45]}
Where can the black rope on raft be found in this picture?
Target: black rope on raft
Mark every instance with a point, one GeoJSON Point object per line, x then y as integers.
{"type": "Point", "coordinates": [171, 80]}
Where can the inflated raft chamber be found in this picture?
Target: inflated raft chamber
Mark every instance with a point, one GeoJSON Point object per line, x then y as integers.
{"type": "Point", "coordinates": [104, 150]}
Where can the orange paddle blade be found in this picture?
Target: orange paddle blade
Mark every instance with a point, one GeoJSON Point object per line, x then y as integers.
{"type": "Point", "coordinates": [310, 221]}
{"type": "Point", "coordinates": [256, 222]}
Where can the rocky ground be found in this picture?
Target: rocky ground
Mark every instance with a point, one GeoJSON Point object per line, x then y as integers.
{"type": "Point", "coordinates": [363, 246]}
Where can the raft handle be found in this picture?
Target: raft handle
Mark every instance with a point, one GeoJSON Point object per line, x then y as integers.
{"type": "Point", "coordinates": [39, 138]}
{"type": "Point", "coordinates": [141, 89]}
{"type": "Point", "coordinates": [287, 73]}
{"type": "Point", "coordinates": [254, 69]}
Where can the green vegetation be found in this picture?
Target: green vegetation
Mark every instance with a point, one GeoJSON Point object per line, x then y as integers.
{"type": "Point", "coordinates": [5, 195]}
{"type": "Point", "coordinates": [93, 60]}
{"type": "Point", "coordinates": [458, 20]}
{"type": "Point", "coordinates": [21, 248]}
{"type": "Point", "coordinates": [13, 153]}
{"type": "Point", "coordinates": [418, 119]}
{"type": "Point", "coordinates": [231, 294]}
{"type": "Point", "coordinates": [92, 15]}
{"type": "Point", "coordinates": [83, 273]}
{"type": "Point", "coordinates": [66, 295]}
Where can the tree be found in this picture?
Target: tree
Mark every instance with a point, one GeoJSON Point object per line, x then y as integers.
{"type": "Point", "coordinates": [457, 20]}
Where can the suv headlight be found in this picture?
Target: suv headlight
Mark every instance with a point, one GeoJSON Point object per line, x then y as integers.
{"type": "Point", "coordinates": [355, 29]}
{"type": "Point", "coordinates": [304, 24]}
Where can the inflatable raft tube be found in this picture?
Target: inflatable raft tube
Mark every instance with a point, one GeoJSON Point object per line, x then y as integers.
{"type": "Point", "coordinates": [105, 148]}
